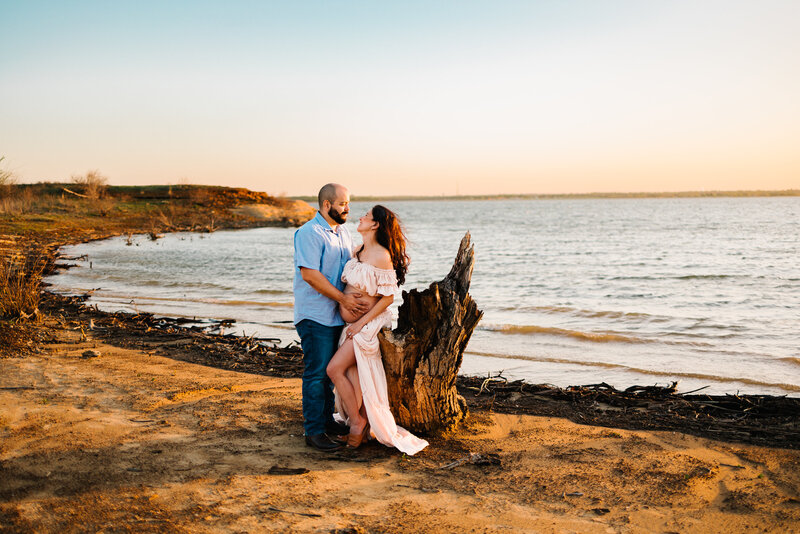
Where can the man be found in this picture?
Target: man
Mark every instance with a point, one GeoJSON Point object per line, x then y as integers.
{"type": "Point", "coordinates": [322, 246]}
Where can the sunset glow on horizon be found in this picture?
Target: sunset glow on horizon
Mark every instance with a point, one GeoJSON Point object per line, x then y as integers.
{"type": "Point", "coordinates": [405, 98]}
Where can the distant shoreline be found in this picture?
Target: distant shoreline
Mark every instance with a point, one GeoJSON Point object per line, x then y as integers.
{"type": "Point", "coordinates": [569, 196]}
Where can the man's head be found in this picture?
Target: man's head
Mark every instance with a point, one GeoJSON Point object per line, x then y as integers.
{"type": "Point", "coordinates": [334, 202]}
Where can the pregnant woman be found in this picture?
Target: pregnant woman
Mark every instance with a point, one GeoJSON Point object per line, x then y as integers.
{"type": "Point", "coordinates": [379, 266]}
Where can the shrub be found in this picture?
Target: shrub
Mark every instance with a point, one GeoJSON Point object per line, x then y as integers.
{"type": "Point", "coordinates": [93, 184]}
{"type": "Point", "coordinates": [7, 180]}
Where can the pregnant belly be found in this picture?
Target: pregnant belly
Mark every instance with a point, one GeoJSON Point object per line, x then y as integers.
{"type": "Point", "coordinates": [369, 300]}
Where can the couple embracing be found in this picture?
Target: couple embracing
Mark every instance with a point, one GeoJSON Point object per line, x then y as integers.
{"type": "Point", "coordinates": [342, 296]}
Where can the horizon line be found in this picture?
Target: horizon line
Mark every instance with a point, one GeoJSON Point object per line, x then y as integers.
{"type": "Point", "coordinates": [549, 196]}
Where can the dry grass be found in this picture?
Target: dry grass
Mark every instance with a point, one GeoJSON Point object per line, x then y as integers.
{"type": "Point", "coordinates": [20, 284]}
{"type": "Point", "coordinates": [23, 200]}
{"type": "Point", "coordinates": [50, 199]}
{"type": "Point", "coordinates": [18, 202]}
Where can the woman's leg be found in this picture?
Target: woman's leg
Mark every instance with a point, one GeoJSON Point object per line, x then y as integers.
{"type": "Point", "coordinates": [352, 376]}
{"type": "Point", "coordinates": [344, 359]}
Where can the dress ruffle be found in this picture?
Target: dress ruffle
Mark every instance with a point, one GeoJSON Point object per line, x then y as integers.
{"type": "Point", "coordinates": [370, 279]}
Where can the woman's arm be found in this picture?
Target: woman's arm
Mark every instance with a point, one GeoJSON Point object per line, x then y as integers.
{"type": "Point", "coordinates": [376, 310]}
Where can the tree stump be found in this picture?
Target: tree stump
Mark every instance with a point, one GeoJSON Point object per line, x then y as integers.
{"type": "Point", "coordinates": [423, 354]}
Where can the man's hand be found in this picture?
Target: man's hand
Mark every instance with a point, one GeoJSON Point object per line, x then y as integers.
{"type": "Point", "coordinates": [353, 303]}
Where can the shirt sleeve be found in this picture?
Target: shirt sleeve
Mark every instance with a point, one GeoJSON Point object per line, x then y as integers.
{"type": "Point", "coordinates": [308, 246]}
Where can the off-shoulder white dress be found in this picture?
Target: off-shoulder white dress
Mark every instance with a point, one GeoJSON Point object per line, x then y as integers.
{"type": "Point", "coordinates": [374, 282]}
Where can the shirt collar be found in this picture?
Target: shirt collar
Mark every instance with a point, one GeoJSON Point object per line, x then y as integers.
{"type": "Point", "coordinates": [322, 222]}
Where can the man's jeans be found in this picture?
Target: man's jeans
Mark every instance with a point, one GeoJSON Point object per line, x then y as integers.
{"type": "Point", "coordinates": [319, 343]}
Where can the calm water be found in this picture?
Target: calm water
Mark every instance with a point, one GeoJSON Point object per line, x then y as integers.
{"type": "Point", "coordinates": [626, 291]}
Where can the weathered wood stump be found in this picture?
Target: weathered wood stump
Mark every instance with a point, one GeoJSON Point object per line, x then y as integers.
{"type": "Point", "coordinates": [423, 354]}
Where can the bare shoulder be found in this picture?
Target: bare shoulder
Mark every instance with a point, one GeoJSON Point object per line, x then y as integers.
{"type": "Point", "coordinates": [379, 257]}
{"type": "Point", "coordinates": [385, 260]}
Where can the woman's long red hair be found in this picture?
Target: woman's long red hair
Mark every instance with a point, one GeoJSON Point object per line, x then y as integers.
{"type": "Point", "coordinates": [390, 236]}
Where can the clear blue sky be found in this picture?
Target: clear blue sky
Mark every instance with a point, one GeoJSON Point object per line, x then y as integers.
{"type": "Point", "coordinates": [405, 97]}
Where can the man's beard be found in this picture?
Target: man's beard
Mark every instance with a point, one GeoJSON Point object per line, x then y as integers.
{"type": "Point", "coordinates": [338, 216]}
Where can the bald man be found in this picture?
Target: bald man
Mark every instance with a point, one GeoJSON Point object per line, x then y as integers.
{"type": "Point", "coordinates": [322, 246]}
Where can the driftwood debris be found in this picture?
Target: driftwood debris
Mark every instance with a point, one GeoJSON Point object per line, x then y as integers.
{"type": "Point", "coordinates": [766, 420]}
{"type": "Point", "coordinates": [423, 354]}
{"type": "Point", "coordinates": [74, 193]}
{"type": "Point", "coordinates": [177, 337]}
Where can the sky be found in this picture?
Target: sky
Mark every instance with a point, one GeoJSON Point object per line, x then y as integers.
{"type": "Point", "coordinates": [405, 98]}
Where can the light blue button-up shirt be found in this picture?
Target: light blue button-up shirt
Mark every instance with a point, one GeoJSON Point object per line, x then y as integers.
{"type": "Point", "coordinates": [318, 246]}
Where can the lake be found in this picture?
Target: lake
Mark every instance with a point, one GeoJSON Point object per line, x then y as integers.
{"type": "Point", "coordinates": [574, 291]}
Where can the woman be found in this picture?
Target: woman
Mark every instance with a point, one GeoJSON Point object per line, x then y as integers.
{"type": "Point", "coordinates": [379, 266]}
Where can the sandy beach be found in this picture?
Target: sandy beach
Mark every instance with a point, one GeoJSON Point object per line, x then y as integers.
{"type": "Point", "coordinates": [128, 440]}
